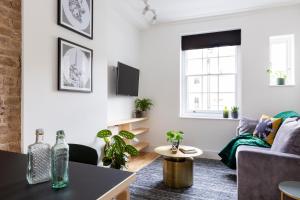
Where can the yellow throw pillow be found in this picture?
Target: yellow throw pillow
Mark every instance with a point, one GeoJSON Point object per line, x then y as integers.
{"type": "Point", "coordinates": [267, 128]}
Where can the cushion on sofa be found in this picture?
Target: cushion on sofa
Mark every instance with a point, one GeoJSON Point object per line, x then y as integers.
{"type": "Point", "coordinates": [267, 128]}
{"type": "Point", "coordinates": [246, 125]}
{"type": "Point", "coordinates": [287, 139]}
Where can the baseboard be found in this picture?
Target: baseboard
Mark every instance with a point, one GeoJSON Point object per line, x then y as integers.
{"type": "Point", "coordinates": [210, 155]}
{"type": "Point", "coordinates": [206, 153]}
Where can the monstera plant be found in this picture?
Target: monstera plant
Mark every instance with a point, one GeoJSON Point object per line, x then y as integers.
{"type": "Point", "coordinates": [116, 150]}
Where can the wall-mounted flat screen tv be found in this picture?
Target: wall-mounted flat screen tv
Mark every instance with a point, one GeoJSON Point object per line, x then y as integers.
{"type": "Point", "coordinates": [127, 80]}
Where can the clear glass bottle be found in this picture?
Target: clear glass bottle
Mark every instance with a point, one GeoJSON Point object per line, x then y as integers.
{"type": "Point", "coordinates": [60, 162]}
{"type": "Point", "coordinates": [39, 160]}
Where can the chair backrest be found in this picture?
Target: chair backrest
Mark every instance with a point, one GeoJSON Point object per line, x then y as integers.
{"type": "Point", "coordinates": [83, 154]}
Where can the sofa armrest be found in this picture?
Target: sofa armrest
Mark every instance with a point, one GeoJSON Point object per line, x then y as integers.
{"type": "Point", "coordinates": [261, 170]}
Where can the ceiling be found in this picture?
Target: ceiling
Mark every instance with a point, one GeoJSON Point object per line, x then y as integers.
{"type": "Point", "coordinates": [177, 10]}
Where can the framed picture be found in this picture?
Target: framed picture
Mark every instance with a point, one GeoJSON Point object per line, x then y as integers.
{"type": "Point", "coordinates": [75, 67]}
{"type": "Point", "coordinates": [77, 16]}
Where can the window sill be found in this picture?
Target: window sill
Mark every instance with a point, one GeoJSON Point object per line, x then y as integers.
{"type": "Point", "coordinates": [290, 85]}
{"type": "Point", "coordinates": [206, 117]}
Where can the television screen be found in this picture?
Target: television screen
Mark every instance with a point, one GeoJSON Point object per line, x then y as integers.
{"type": "Point", "coordinates": [127, 80]}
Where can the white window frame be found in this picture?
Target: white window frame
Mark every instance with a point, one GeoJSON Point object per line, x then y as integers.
{"type": "Point", "coordinates": [184, 112]}
{"type": "Point", "coordinates": [290, 66]}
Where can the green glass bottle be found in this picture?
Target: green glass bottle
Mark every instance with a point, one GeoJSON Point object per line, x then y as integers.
{"type": "Point", "coordinates": [60, 162]}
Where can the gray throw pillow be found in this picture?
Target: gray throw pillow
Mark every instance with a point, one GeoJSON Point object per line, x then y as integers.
{"type": "Point", "coordinates": [287, 139]}
{"type": "Point", "coordinates": [246, 125]}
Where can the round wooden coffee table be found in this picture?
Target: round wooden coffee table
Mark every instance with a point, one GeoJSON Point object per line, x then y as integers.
{"type": "Point", "coordinates": [178, 168]}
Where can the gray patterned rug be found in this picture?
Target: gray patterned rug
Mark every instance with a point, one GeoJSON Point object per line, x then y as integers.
{"type": "Point", "coordinates": [212, 181]}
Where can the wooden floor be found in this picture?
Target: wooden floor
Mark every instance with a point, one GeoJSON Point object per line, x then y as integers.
{"type": "Point", "coordinates": [145, 158]}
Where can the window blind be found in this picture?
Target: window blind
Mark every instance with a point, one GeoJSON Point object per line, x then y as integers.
{"type": "Point", "coordinates": [211, 40]}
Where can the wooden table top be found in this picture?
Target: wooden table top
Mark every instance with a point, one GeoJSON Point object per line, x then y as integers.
{"type": "Point", "coordinates": [166, 151]}
{"type": "Point", "coordinates": [86, 181]}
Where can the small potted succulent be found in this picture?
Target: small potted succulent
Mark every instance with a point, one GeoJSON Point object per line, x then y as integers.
{"type": "Point", "coordinates": [280, 76]}
{"type": "Point", "coordinates": [174, 137]}
{"type": "Point", "coordinates": [235, 112]}
{"type": "Point", "coordinates": [142, 106]}
{"type": "Point", "coordinates": [225, 112]}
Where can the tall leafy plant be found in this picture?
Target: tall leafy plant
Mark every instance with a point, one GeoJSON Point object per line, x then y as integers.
{"type": "Point", "coordinates": [116, 150]}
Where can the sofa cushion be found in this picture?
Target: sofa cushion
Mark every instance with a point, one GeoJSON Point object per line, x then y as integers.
{"type": "Point", "coordinates": [267, 128]}
{"type": "Point", "coordinates": [287, 139]}
{"type": "Point", "coordinates": [246, 125]}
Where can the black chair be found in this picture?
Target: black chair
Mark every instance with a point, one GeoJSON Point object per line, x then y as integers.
{"type": "Point", "coordinates": [83, 154]}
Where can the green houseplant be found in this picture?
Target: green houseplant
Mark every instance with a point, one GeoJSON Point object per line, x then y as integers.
{"type": "Point", "coordinates": [174, 137]}
{"type": "Point", "coordinates": [280, 76]}
{"type": "Point", "coordinates": [116, 150]}
{"type": "Point", "coordinates": [142, 106]}
{"type": "Point", "coordinates": [235, 112]}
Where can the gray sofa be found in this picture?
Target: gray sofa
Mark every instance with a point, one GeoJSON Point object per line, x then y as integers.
{"type": "Point", "coordinates": [260, 170]}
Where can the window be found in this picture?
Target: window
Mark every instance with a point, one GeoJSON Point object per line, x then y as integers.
{"type": "Point", "coordinates": [209, 80]}
{"type": "Point", "coordinates": [282, 59]}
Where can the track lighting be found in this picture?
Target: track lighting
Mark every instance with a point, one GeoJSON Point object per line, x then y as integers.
{"type": "Point", "coordinates": [148, 9]}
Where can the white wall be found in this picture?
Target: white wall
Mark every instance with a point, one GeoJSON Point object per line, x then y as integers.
{"type": "Point", "coordinates": [161, 64]}
{"type": "Point", "coordinates": [116, 38]}
{"type": "Point", "coordinates": [80, 115]}
{"type": "Point", "coordinates": [123, 46]}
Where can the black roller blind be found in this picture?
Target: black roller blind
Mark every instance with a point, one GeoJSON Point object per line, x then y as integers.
{"type": "Point", "coordinates": [210, 40]}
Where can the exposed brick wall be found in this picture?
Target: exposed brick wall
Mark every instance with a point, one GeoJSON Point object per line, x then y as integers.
{"type": "Point", "coordinates": [10, 75]}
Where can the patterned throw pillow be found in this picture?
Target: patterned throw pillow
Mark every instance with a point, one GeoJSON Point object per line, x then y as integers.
{"type": "Point", "coordinates": [267, 128]}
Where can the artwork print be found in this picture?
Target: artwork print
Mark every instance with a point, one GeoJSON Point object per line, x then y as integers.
{"type": "Point", "coordinates": [75, 67]}
{"type": "Point", "coordinates": [76, 15]}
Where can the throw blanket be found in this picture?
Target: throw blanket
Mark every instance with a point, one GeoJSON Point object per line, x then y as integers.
{"type": "Point", "coordinates": [228, 153]}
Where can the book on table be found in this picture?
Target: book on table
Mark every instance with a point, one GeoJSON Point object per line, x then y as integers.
{"type": "Point", "coordinates": [188, 150]}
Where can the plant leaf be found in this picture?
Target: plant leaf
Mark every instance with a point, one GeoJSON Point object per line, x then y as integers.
{"type": "Point", "coordinates": [106, 161]}
{"type": "Point", "coordinates": [104, 133]}
{"type": "Point", "coordinates": [126, 134]}
{"type": "Point", "coordinates": [131, 150]}
{"type": "Point", "coordinates": [119, 143]}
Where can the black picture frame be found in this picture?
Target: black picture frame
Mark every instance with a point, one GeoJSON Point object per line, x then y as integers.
{"type": "Point", "coordinates": [64, 22]}
{"type": "Point", "coordinates": [61, 83]}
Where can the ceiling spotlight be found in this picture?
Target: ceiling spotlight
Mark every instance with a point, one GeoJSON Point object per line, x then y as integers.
{"type": "Point", "coordinates": [146, 9]}
{"type": "Point", "coordinates": [154, 19]}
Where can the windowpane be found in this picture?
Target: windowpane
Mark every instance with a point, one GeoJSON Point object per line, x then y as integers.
{"type": "Point", "coordinates": [194, 102]}
{"type": "Point", "coordinates": [227, 65]}
{"type": "Point", "coordinates": [194, 66]}
{"type": "Point", "coordinates": [210, 53]}
{"type": "Point", "coordinates": [282, 58]}
{"type": "Point", "coordinates": [279, 57]}
{"type": "Point", "coordinates": [226, 99]}
{"type": "Point", "coordinates": [192, 54]}
{"type": "Point", "coordinates": [213, 67]}
{"type": "Point", "coordinates": [227, 83]}
{"type": "Point", "coordinates": [227, 51]}
{"type": "Point", "coordinates": [211, 79]}
{"type": "Point", "coordinates": [213, 102]}
{"type": "Point", "coordinates": [194, 84]}
{"type": "Point", "coordinates": [213, 84]}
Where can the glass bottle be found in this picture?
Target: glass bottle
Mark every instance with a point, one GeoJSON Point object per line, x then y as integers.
{"type": "Point", "coordinates": [60, 162]}
{"type": "Point", "coordinates": [39, 159]}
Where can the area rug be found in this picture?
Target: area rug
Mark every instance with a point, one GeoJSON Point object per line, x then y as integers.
{"type": "Point", "coordinates": [212, 181]}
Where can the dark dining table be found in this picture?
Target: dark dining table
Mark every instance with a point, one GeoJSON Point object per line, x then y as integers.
{"type": "Point", "coordinates": [86, 182]}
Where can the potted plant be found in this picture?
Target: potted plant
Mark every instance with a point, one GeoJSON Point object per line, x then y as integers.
{"type": "Point", "coordinates": [225, 112]}
{"type": "Point", "coordinates": [116, 150]}
{"type": "Point", "coordinates": [174, 137]}
{"type": "Point", "coordinates": [142, 106]}
{"type": "Point", "coordinates": [279, 75]}
{"type": "Point", "coordinates": [235, 112]}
